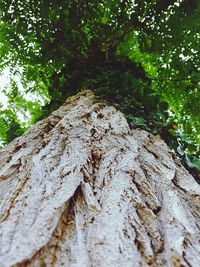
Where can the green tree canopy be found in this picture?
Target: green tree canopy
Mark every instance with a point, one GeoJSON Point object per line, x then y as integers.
{"type": "Point", "coordinates": [142, 56]}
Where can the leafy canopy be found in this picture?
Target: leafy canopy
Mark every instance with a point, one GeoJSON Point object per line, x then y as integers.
{"type": "Point", "coordinates": [142, 56]}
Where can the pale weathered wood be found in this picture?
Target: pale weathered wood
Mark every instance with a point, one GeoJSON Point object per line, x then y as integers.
{"type": "Point", "coordinates": [82, 189]}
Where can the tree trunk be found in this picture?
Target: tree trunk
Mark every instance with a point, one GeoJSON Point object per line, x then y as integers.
{"type": "Point", "coordinates": [81, 189]}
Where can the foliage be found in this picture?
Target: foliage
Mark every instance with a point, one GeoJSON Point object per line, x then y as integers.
{"type": "Point", "coordinates": [141, 56]}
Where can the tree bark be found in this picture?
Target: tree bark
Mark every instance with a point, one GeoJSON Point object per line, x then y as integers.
{"type": "Point", "coordinates": [81, 189]}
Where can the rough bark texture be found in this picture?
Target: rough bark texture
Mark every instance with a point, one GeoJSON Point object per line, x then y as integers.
{"type": "Point", "coordinates": [82, 189]}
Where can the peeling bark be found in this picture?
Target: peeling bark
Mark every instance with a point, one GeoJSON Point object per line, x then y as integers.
{"type": "Point", "coordinates": [82, 189]}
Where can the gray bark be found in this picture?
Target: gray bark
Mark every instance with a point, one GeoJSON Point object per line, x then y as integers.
{"type": "Point", "coordinates": [81, 189]}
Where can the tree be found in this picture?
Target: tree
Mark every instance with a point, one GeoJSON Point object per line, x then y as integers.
{"type": "Point", "coordinates": [81, 188]}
